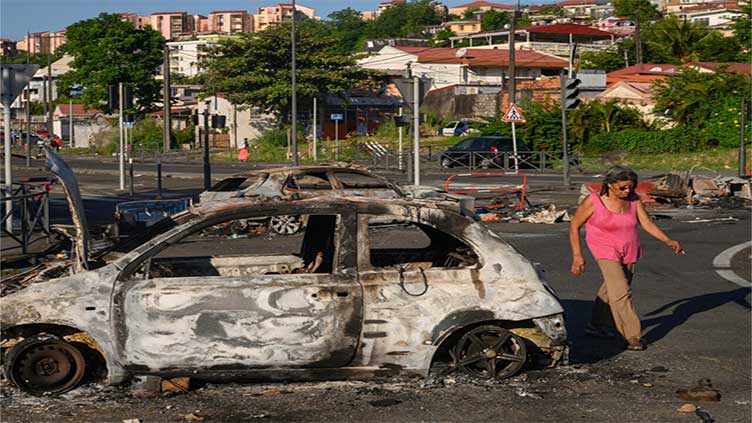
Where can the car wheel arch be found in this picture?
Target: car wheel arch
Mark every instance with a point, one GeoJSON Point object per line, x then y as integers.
{"type": "Point", "coordinates": [98, 360]}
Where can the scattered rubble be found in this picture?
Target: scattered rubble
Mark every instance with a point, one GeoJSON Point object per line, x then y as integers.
{"type": "Point", "coordinates": [548, 215]}
{"type": "Point", "coordinates": [687, 408]}
{"type": "Point", "coordinates": [703, 391]}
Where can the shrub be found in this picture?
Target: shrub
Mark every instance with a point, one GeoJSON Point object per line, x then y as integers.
{"type": "Point", "coordinates": [186, 135]}
{"type": "Point", "coordinates": [675, 140]}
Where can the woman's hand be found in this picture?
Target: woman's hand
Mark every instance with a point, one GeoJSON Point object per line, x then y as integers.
{"type": "Point", "coordinates": [674, 244]}
{"type": "Point", "coordinates": [578, 265]}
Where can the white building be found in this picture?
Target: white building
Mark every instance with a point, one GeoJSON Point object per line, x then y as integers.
{"type": "Point", "coordinates": [186, 55]}
{"type": "Point", "coordinates": [448, 66]}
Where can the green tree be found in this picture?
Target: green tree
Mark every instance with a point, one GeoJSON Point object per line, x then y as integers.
{"type": "Point", "coordinates": [743, 34]}
{"type": "Point", "coordinates": [348, 26]}
{"type": "Point", "coordinates": [254, 69]}
{"type": "Point", "coordinates": [595, 117]}
{"type": "Point", "coordinates": [469, 13]}
{"type": "Point", "coordinates": [673, 40]}
{"type": "Point", "coordinates": [107, 50]}
{"type": "Point", "coordinates": [404, 19]}
{"type": "Point", "coordinates": [647, 10]}
{"type": "Point", "coordinates": [493, 20]}
{"type": "Point", "coordinates": [441, 39]}
{"type": "Point", "coordinates": [41, 59]}
{"type": "Point", "coordinates": [551, 10]}
{"type": "Point", "coordinates": [609, 61]}
{"type": "Point", "coordinates": [693, 96]}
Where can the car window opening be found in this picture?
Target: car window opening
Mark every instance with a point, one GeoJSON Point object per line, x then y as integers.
{"type": "Point", "coordinates": [309, 181]}
{"type": "Point", "coordinates": [239, 183]}
{"type": "Point", "coordinates": [409, 245]}
{"type": "Point", "coordinates": [245, 247]}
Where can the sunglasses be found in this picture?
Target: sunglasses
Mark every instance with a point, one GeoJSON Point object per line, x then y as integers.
{"type": "Point", "coordinates": [625, 188]}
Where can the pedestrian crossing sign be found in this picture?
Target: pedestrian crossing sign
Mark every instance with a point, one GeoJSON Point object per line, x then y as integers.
{"type": "Point", "coordinates": [514, 115]}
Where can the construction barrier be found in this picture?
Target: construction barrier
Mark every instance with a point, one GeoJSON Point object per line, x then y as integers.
{"type": "Point", "coordinates": [518, 190]}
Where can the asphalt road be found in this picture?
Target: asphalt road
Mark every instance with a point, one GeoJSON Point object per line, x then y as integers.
{"type": "Point", "coordinates": [695, 311]}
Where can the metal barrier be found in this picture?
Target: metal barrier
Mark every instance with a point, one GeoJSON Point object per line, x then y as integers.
{"type": "Point", "coordinates": [30, 204]}
{"type": "Point", "coordinates": [534, 160]}
{"type": "Point", "coordinates": [518, 190]}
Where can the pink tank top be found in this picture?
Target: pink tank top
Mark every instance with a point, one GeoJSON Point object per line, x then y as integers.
{"type": "Point", "coordinates": [613, 236]}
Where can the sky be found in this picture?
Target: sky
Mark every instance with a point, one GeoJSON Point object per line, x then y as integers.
{"type": "Point", "coordinates": [20, 16]}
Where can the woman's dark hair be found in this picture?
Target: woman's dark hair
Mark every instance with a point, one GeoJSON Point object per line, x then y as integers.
{"type": "Point", "coordinates": [618, 174]}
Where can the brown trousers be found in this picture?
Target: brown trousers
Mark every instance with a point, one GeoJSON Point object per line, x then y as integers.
{"type": "Point", "coordinates": [613, 305]}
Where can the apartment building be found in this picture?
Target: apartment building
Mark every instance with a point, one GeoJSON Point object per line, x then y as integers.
{"type": "Point", "coordinates": [273, 15]}
{"type": "Point", "coordinates": [42, 42]}
{"type": "Point", "coordinates": [230, 21]}
{"type": "Point", "coordinates": [170, 24]}
{"type": "Point", "coordinates": [480, 7]}
{"type": "Point", "coordinates": [185, 56]}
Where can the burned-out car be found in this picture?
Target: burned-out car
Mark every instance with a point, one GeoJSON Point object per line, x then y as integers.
{"type": "Point", "coordinates": [315, 181]}
{"type": "Point", "coordinates": [371, 287]}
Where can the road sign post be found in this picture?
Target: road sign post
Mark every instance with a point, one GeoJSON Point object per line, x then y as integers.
{"type": "Point", "coordinates": [14, 79]}
{"type": "Point", "coordinates": [514, 116]}
{"type": "Point", "coordinates": [336, 117]}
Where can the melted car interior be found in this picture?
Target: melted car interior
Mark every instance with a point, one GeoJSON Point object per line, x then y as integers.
{"type": "Point", "coordinates": [231, 248]}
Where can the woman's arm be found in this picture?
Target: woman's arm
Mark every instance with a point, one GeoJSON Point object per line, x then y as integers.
{"type": "Point", "coordinates": [650, 227]}
{"type": "Point", "coordinates": [583, 213]}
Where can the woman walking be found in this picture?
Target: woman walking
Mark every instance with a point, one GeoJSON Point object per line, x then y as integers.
{"type": "Point", "coordinates": [610, 218]}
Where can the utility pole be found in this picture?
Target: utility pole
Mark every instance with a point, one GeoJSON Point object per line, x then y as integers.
{"type": "Point", "coordinates": [294, 94]}
{"type": "Point", "coordinates": [70, 122]}
{"type": "Point", "coordinates": [638, 42]}
{"type": "Point", "coordinates": [207, 166]}
{"type": "Point", "coordinates": [512, 64]}
{"type": "Point", "coordinates": [49, 96]}
{"type": "Point", "coordinates": [399, 154]}
{"type": "Point", "coordinates": [744, 109]}
{"type": "Point", "coordinates": [416, 131]}
{"type": "Point", "coordinates": [27, 110]}
{"type": "Point", "coordinates": [121, 94]}
{"type": "Point", "coordinates": [166, 100]}
{"type": "Point", "coordinates": [565, 142]}
{"type": "Point", "coordinates": [7, 100]}
{"type": "Point", "coordinates": [315, 132]}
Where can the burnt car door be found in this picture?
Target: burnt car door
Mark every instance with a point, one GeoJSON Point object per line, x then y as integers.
{"type": "Point", "coordinates": [224, 294]}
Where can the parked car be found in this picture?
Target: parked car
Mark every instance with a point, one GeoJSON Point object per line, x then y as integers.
{"type": "Point", "coordinates": [315, 181]}
{"type": "Point", "coordinates": [372, 286]}
{"type": "Point", "coordinates": [457, 128]}
{"type": "Point", "coordinates": [483, 152]}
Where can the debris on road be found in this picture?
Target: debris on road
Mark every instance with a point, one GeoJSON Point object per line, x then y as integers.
{"type": "Point", "coordinates": [703, 391]}
{"type": "Point", "coordinates": [719, 219]}
{"type": "Point", "coordinates": [191, 417]}
{"type": "Point", "coordinates": [705, 416]}
{"type": "Point", "coordinates": [386, 402]}
{"type": "Point", "coordinates": [548, 215]}
{"type": "Point", "coordinates": [177, 385]}
{"type": "Point", "coordinates": [687, 408]}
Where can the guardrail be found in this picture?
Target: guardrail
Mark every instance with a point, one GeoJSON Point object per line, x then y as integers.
{"type": "Point", "coordinates": [30, 206]}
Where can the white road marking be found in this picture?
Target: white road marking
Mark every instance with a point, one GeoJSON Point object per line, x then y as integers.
{"type": "Point", "coordinates": [722, 263]}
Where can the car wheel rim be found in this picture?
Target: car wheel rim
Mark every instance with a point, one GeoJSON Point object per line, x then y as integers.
{"type": "Point", "coordinates": [285, 225]}
{"type": "Point", "coordinates": [50, 367]}
{"type": "Point", "coordinates": [490, 352]}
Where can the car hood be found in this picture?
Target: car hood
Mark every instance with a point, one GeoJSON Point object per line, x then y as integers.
{"type": "Point", "coordinates": [67, 179]}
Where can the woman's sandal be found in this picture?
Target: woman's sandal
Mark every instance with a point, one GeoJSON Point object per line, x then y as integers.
{"type": "Point", "coordinates": [636, 345]}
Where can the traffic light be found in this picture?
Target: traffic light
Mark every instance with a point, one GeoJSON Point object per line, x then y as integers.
{"type": "Point", "coordinates": [570, 92]}
{"type": "Point", "coordinates": [218, 121]}
{"type": "Point", "coordinates": [113, 99]}
{"type": "Point", "coordinates": [127, 97]}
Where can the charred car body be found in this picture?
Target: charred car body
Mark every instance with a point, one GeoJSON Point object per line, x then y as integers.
{"type": "Point", "coordinates": [371, 287]}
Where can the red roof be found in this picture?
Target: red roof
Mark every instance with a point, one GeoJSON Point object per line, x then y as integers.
{"type": "Point", "coordinates": [711, 6]}
{"type": "Point", "coordinates": [567, 29]}
{"type": "Point", "coordinates": [168, 13]}
{"type": "Point", "coordinates": [485, 4]}
{"type": "Point", "coordinates": [229, 11]}
{"type": "Point", "coordinates": [646, 69]}
{"type": "Point", "coordinates": [744, 68]}
{"type": "Point", "coordinates": [485, 57]}
{"type": "Point", "coordinates": [78, 109]}
{"type": "Point", "coordinates": [575, 3]}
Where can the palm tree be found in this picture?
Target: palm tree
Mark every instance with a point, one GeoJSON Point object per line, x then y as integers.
{"type": "Point", "coordinates": [674, 40]}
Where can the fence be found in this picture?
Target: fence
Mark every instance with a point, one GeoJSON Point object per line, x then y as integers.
{"type": "Point", "coordinates": [30, 207]}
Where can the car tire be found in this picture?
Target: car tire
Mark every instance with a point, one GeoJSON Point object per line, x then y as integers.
{"type": "Point", "coordinates": [45, 365]}
{"type": "Point", "coordinates": [490, 352]}
{"type": "Point", "coordinates": [286, 224]}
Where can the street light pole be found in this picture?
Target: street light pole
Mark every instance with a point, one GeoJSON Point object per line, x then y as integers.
{"type": "Point", "coordinates": [294, 94]}
{"type": "Point", "coordinates": [207, 165]}
{"type": "Point", "coordinates": [122, 152]}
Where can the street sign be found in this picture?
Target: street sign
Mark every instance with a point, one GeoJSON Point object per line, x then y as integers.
{"type": "Point", "coordinates": [513, 115]}
{"type": "Point", "coordinates": [405, 87]}
{"type": "Point", "coordinates": [14, 79]}
{"type": "Point", "coordinates": [337, 116]}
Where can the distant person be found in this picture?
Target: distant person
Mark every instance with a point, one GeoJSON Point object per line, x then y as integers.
{"type": "Point", "coordinates": [243, 153]}
{"type": "Point", "coordinates": [611, 218]}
